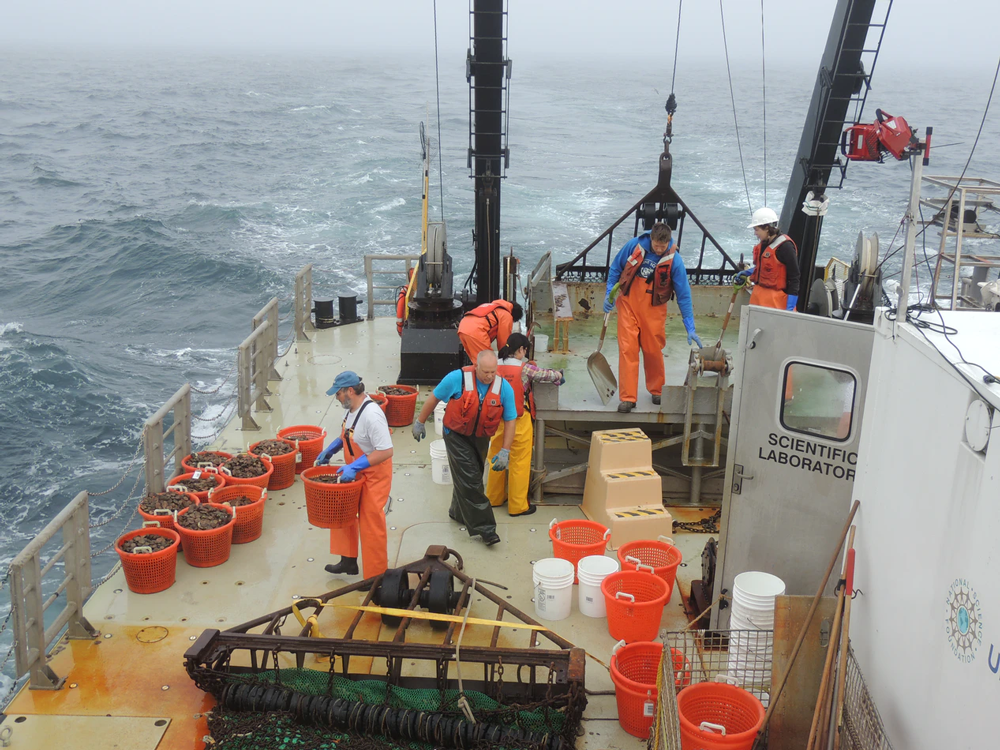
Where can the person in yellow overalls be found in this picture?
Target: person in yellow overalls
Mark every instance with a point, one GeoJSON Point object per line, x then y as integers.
{"type": "Point", "coordinates": [511, 486]}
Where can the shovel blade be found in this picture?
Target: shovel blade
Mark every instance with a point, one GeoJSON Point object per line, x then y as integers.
{"type": "Point", "coordinates": [603, 376]}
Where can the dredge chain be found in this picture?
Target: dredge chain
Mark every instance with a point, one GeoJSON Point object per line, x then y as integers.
{"type": "Point", "coordinates": [127, 472]}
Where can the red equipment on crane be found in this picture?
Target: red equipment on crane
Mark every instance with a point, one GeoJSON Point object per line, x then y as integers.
{"type": "Point", "coordinates": [887, 135]}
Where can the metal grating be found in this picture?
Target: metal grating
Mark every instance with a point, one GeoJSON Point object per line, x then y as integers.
{"type": "Point", "coordinates": [863, 728]}
{"type": "Point", "coordinates": [739, 656]}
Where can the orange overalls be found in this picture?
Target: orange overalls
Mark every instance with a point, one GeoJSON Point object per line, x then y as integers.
{"type": "Point", "coordinates": [482, 325]}
{"type": "Point", "coordinates": [376, 482]}
{"type": "Point", "coordinates": [769, 276]}
{"type": "Point", "coordinates": [642, 326]}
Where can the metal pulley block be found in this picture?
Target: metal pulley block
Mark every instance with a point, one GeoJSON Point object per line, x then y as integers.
{"type": "Point", "coordinates": [438, 596]}
{"type": "Point", "coordinates": [710, 359]}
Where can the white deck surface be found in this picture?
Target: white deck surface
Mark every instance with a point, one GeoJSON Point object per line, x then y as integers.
{"type": "Point", "coordinates": [288, 559]}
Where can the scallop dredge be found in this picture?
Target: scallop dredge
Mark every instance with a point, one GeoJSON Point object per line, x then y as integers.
{"type": "Point", "coordinates": [527, 697]}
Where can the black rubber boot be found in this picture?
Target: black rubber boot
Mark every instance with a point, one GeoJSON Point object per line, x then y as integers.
{"type": "Point", "coordinates": [348, 566]}
{"type": "Point", "coordinates": [656, 399]}
{"type": "Point", "coordinates": [626, 406]}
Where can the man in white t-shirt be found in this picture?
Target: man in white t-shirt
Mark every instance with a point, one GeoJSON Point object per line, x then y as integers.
{"type": "Point", "coordinates": [367, 445]}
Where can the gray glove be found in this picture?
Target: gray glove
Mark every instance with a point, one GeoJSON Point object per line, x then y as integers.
{"type": "Point", "coordinates": [419, 431]}
{"type": "Point", "coordinates": [501, 459]}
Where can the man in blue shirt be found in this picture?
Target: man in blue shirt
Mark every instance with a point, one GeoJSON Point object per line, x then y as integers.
{"type": "Point", "coordinates": [478, 401]}
{"type": "Point", "coordinates": [643, 277]}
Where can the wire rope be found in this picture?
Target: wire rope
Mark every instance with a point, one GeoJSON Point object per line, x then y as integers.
{"type": "Point", "coordinates": [732, 96]}
{"type": "Point", "coordinates": [677, 44]}
{"type": "Point", "coordinates": [763, 92]}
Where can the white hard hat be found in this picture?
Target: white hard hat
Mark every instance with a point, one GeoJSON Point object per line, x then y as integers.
{"type": "Point", "coordinates": [761, 217]}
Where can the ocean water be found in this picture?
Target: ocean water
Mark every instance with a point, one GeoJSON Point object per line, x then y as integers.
{"type": "Point", "coordinates": [150, 204]}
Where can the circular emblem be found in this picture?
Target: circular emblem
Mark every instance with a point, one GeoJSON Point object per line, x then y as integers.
{"type": "Point", "coordinates": [963, 621]}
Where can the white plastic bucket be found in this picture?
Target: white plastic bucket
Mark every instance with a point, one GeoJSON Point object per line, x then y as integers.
{"type": "Point", "coordinates": [439, 420]}
{"type": "Point", "coordinates": [440, 472]}
{"type": "Point", "coordinates": [541, 343]}
{"type": "Point", "coordinates": [553, 579]}
{"type": "Point", "coordinates": [591, 571]}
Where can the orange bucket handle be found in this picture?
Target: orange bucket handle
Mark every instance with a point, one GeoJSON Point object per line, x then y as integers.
{"type": "Point", "coordinates": [707, 726]}
{"type": "Point", "coordinates": [667, 539]}
{"type": "Point", "coordinates": [639, 564]}
{"type": "Point", "coordinates": [153, 523]}
{"type": "Point", "coordinates": [620, 644]}
{"type": "Point", "coordinates": [623, 595]}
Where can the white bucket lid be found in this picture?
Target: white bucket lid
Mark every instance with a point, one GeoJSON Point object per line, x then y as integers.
{"type": "Point", "coordinates": [597, 566]}
{"type": "Point", "coordinates": [755, 583]}
{"type": "Point", "coordinates": [552, 570]}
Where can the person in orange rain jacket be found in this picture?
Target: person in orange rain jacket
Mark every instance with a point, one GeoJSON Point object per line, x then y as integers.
{"type": "Point", "coordinates": [490, 322]}
{"type": "Point", "coordinates": [367, 445]}
{"type": "Point", "coordinates": [775, 271]}
{"type": "Point", "coordinates": [401, 304]}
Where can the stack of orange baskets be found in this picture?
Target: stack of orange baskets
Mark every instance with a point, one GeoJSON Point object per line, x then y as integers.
{"type": "Point", "coordinates": [659, 557]}
{"type": "Point", "coordinates": [718, 716]}
{"type": "Point", "coordinates": [576, 539]}
{"type": "Point", "coordinates": [330, 506]}
{"type": "Point", "coordinates": [153, 571]}
{"type": "Point", "coordinates": [210, 547]}
{"type": "Point", "coordinates": [178, 481]}
{"type": "Point", "coordinates": [284, 465]}
{"type": "Point", "coordinates": [634, 669]}
{"type": "Point", "coordinates": [400, 409]}
{"type": "Point", "coordinates": [308, 441]}
{"type": "Point", "coordinates": [260, 480]}
{"type": "Point", "coordinates": [635, 602]}
{"type": "Point", "coordinates": [249, 523]}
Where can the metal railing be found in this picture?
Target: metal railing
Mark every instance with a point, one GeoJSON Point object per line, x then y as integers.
{"type": "Point", "coordinates": [28, 602]}
{"type": "Point", "coordinates": [154, 438]}
{"type": "Point", "coordinates": [253, 366]}
{"type": "Point", "coordinates": [303, 301]}
{"type": "Point", "coordinates": [371, 272]}
{"type": "Point", "coordinates": [268, 313]}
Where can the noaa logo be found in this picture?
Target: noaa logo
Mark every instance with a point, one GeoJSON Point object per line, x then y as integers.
{"type": "Point", "coordinates": [963, 621]}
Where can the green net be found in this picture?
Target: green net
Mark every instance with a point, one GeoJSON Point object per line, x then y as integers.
{"type": "Point", "coordinates": [240, 730]}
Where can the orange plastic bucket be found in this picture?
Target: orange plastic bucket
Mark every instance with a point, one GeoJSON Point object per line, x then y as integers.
{"type": "Point", "coordinates": [164, 518]}
{"type": "Point", "coordinates": [659, 557]}
{"type": "Point", "coordinates": [190, 466]}
{"type": "Point", "coordinates": [284, 466]}
{"type": "Point", "coordinates": [381, 399]}
{"type": "Point", "coordinates": [220, 481]}
{"type": "Point", "coordinates": [634, 669]}
{"type": "Point", "coordinates": [635, 602]}
{"type": "Point", "coordinates": [309, 448]}
{"type": "Point", "coordinates": [576, 539]}
{"type": "Point", "coordinates": [330, 506]}
{"type": "Point", "coordinates": [154, 571]}
{"type": "Point", "coordinates": [249, 518]}
{"type": "Point", "coordinates": [258, 481]}
{"type": "Point", "coordinates": [211, 547]}
{"type": "Point", "coordinates": [400, 410]}
{"type": "Point", "coordinates": [717, 716]}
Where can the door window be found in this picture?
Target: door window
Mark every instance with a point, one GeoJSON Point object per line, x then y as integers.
{"type": "Point", "coordinates": [818, 401]}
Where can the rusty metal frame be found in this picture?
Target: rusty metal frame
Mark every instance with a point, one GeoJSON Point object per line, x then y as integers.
{"type": "Point", "coordinates": [565, 663]}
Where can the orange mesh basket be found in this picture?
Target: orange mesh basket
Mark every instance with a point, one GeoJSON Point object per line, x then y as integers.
{"type": "Point", "coordinates": [659, 557]}
{"type": "Point", "coordinates": [188, 466]}
{"type": "Point", "coordinates": [208, 548]}
{"type": "Point", "coordinates": [249, 518]}
{"type": "Point", "coordinates": [577, 539]}
{"type": "Point", "coordinates": [164, 518]}
{"type": "Point", "coordinates": [308, 447]}
{"type": "Point", "coordinates": [400, 409]}
{"type": "Point", "coordinates": [381, 399]}
{"type": "Point", "coordinates": [220, 481]}
{"type": "Point", "coordinates": [154, 571]}
{"type": "Point", "coordinates": [259, 481]}
{"type": "Point", "coordinates": [634, 669]}
{"type": "Point", "coordinates": [717, 716]}
{"type": "Point", "coordinates": [634, 601]}
{"type": "Point", "coordinates": [284, 466]}
{"type": "Point", "coordinates": [330, 506]}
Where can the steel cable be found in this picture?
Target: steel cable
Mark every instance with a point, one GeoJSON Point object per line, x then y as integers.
{"type": "Point", "coordinates": [732, 96]}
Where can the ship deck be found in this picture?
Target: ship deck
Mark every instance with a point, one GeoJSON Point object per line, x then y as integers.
{"type": "Point", "coordinates": [130, 682]}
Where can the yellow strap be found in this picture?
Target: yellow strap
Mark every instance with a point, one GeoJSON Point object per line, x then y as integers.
{"type": "Point", "coordinates": [412, 614]}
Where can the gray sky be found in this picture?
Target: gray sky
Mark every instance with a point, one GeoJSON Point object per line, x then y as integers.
{"type": "Point", "coordinates": [919, 30]}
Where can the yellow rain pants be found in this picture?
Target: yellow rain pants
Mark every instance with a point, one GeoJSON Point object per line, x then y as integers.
{"type": "Point", "coordinates": [518, 473]}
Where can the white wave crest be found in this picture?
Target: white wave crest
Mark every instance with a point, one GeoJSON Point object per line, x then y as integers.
{"type": "Point", "coordinates": [11, 328]}
{"type": "Point", "coordinates": [395, 203]}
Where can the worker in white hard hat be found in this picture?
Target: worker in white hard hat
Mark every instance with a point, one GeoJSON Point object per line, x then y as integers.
{"type": "Point", "coordinates": [775, 271]}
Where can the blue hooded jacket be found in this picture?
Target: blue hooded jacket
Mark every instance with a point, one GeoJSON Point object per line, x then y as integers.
{"type": "Point", "coordinates": [678, 273]}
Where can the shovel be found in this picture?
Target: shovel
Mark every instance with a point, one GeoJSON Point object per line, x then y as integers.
{"type": "Point", "coordinates": [737, 288]}
{"type": "Point", "coordinates": [600, 371]}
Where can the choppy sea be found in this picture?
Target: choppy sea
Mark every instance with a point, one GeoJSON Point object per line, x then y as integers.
{"type": "Point", "coordinates": [150, 204]}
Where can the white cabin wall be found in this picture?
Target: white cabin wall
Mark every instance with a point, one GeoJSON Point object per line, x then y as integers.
{"type": "Point", "coordinates": [930, 515]}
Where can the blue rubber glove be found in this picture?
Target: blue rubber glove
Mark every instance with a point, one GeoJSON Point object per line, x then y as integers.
{"type": "Point", "coordinates": [692, 336]}
{"type": "Point", "coordinates": [501, 459]}
{"type": "Point", "coordinates": [350, 471]}
{"type": "Point", "coordinates": [608, 304]}
{"type": "Point", "coordinates": [745, 274]}
{"type": "Point", "coordinates": [324, 458]}
{"type": "Point", "coordinates": [562, 380]}
{"type": "Point", "coordinates": [793, 300]}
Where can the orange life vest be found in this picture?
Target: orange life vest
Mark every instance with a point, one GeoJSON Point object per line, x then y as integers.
{"type": "Point", "coordinates": [467, 415]}
{"type": "Point", "coordinates": [490, 311]}
{"type": "Point", "coordinates": [663, 283]}
{"type": "Point", "coordinates": [512, 374]}
{"type": "Point", "coordinates": [400, 309]}
{"type": "Point", "coordinates": [770, 272]}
